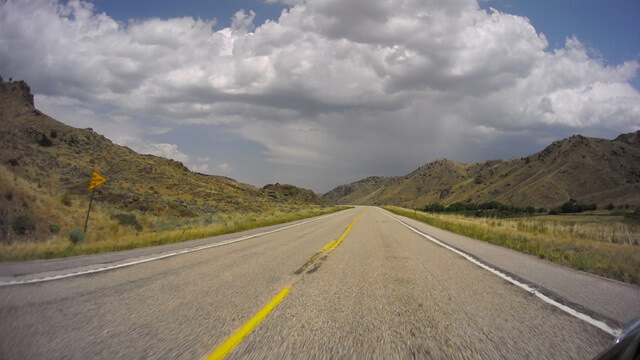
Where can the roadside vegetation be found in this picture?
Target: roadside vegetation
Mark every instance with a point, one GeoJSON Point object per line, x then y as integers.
{"type": "Point", "coordinates": [605, 243]}
{"type": "Point", "coordinates": [128, 231]}
{"type": "Point", "coordinates": [38, 223]}
{"type": "Point", "coordinates": [497, 209]}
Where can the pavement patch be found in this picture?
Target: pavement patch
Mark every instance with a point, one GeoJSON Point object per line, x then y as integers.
{"type": "Point", "coordinates": [316, 260]}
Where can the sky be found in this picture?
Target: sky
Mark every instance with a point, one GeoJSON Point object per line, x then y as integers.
{"type": "Point", "coordinates": [319, 93]}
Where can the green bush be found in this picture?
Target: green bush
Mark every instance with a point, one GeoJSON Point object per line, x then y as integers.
{"type": "Point", "coordinates": [54, 228]}
{"type": "Point", "coordinates": [23, 223]}
{"type": "Point", "coordinates": [572, 206]}
{"type": "Point", "coordinates": [494, 209]}
{"type": "Point", "coordinates": [127, 220]}
{"type": "Point", "coordinates": [435, 207]}
{"type": "Point", "coordinates": [76, 235]}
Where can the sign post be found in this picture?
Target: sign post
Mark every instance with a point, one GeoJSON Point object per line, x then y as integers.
{"type": "Point", "coordinates": [96, 180]}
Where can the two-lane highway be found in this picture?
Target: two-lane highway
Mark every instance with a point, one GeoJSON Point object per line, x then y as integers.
{"type": "Point", "coordinates": [370, 286]}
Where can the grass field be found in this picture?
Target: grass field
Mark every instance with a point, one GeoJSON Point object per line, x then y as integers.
{"type": "Point", "coordinates": [106, 235]}
{"type": "Point", "coordinates": [602, 244]}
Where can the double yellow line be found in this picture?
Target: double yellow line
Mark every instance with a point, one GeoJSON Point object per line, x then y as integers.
{"type": "Point", "coordinates": [236, 338]}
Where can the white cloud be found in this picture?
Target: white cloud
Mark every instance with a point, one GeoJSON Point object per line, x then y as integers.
{"type": "Point", "coordinates": [224, 168]}
{"type": "Point", "coordinates": [202, 168]}
{"type": "Point", "coordinates": [169, 151]}
{"type": "Point", "coordinates": [158, 130]}
{"type": "Point", "coordinates": [332, 87]}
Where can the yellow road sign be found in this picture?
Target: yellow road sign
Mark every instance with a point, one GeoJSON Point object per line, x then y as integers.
{"type": "Point", "coordinates": [96, 180]}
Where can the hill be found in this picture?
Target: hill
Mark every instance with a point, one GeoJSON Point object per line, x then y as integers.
{"type": "Point", "coordinates": [590, 170]}
{"type": "Point", "coordinates": [45, 168]}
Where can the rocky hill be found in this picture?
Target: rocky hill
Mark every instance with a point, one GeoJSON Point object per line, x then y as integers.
{"type": "Point", "coordinates": [590, 170]}
{"type": "Point", "coordinates": [293, 194]}
{"type": "Point", "coordinates": [45, 168]}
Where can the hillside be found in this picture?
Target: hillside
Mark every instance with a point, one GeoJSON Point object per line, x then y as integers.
{"type": "Point", "coordinates": [590, 170]}
{"type": "Point", "coordinates": [45, 168]}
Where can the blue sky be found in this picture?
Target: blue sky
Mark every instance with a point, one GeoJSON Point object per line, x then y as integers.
{"type": "Point", "coordinates": [333, 91]}
{"type": "Point", "coordinates": [222, 10]}
{"type": "Point", "coordinates": [611, 27]}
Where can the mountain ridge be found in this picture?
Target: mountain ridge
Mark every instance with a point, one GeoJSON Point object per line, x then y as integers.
{"type": "Point", "coordinates": [591, 170]}
{"type": "Point", "coordinates": [44, 160]}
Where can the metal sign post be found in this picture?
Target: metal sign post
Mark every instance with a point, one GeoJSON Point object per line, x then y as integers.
{"type": "Point", "coordinates": [96, 180]}
{"type": "Point", "coordinates": [86, 222]}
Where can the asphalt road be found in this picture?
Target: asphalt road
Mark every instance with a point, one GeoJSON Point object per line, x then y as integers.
{"type": "Point", "coordinates": [383, 291]}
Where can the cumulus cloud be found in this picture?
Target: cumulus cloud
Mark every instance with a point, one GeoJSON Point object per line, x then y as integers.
{"type": "Point", "coordinates": [330, 91]}
{"type": "Point", "coordinates": [224, 168]}
{"type": "Point", "coordinates": [169, 151]}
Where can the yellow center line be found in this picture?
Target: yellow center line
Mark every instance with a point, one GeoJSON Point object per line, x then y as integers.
{"type": "Point", "coordinates": [328, 245]}
{"type": "Point", "coordinates": [346, 232]}
{"type": "Point", "coordinates": [234, 340]}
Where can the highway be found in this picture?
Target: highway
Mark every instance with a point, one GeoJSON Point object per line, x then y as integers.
{"type": "Point", "coordinates": [357, 283]}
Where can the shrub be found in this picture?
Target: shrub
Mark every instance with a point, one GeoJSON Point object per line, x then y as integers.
{"type": "Point", "coordinates": [54, 228]}
{"type": "Point", "coordinates": [634, 215]}
{"type": "Point", "coordinates": [182, 210]}
{"type": "Point", "coordinates": [435, 207]}
{"type": "Point", "coordinates": [44, 141]}
{"type": "Point", "coordinates": [23, 223]}
{"type": "Point", "coordinates": [207, 220]}
{"type": "Point", "coordinates": [76, 235]}
{"type": "Point", "coordinates": [572, 206]}
{"type": "Point", "coordinates": [66, 199]}
{"type": "Point", "coordinates": [127, 220]}
{"type": "Point", "coordinates": [491, 205]}
{"type": "Point", "coordinates": [8, 195]}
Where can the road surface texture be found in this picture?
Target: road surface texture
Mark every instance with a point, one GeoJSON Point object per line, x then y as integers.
{"type": "Point", "coordinates": [383, 291]}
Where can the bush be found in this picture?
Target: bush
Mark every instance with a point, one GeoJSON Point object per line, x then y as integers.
{"type": "Point", "coordinates": [491, 205]}
{"type": "Point", "coordinates": [44, 141]}
{"type": "Point", "coordinates": [23, 223]}
{"type": "Point", "coordinates": [8, 195]}
{"type": "Point", "coordinates": [127, 220]}
{"type": "Point", "coordinates": [572, 206]}
{"type": "Point", "coordinates": [435, 207]}
{"type": "Point", "coordinates": [76, 235]}
{"type": "Point", "coordinates": [634, 215]}
{"type": "Point", "coordinates": [54, 228]}
{"type": "Point", "coordinates": [66, 199]}
{"type": "Point", "coordinates": [182, 210]}
{"type": "Point", "coordinates": [207, 220]}
{"type": "Point", "coordinates": [487, 209]}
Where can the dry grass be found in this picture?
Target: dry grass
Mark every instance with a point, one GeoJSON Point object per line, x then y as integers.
{"type": "Point", "coordinates": [603, 245]}
{"type": "Point", "coordinates": [107, 235]}
{"type": "Point", "coordinates": [56, 208]}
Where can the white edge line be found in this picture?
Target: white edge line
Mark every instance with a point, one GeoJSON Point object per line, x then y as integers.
{"type": "Point", "coordinates": [185, 251]}
{"type": "Point", "coordinates": [584, 317]}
